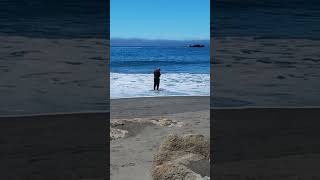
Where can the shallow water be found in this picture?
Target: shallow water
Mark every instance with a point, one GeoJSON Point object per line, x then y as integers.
{"type": "Point", "coordinates": [171, 84]}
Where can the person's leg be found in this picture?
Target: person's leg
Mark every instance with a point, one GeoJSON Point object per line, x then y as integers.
{"type": "Point", "coordinates": [154, 85]}
{"type": "Point", "coordinates": [158, 84]}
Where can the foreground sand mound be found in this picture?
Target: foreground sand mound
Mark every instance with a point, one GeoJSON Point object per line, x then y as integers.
{"type": "Point", "coordinates": [182, 158]}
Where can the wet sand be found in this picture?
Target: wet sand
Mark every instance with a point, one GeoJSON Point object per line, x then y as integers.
{"type": "Point", "coordinates": [54, 146]}
{"type": "Point", "coordinates": [266, 143]}
{"type": "Point", "coordinates": [43, 80]}
{"type": "Point", "coordinates": [43, 75]}
{"type": "Point", "coordinates": [269, 126]}
{"type": "Point", "coordinates": [248, 71]}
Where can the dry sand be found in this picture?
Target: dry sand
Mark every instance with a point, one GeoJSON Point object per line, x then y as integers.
{"type": "Point", "coordinates": [132, 156]}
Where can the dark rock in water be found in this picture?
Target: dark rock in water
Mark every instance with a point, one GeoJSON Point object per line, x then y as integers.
{"type": "Point", "coordinates": [197, 45]}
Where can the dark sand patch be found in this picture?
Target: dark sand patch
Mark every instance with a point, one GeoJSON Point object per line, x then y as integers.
{"type": "Point", "coordinates": [53, 146]}
{"type": "Point", "coordinates": [22, 53]}
{"type": "Point", "coordinates": [266, 143]}
{"type": "Point", "coordinates": [97, 58]}
{"type": "Point", "coordinates": [73, 63]}
{"type": "Point", "coordinates": [32, 75]}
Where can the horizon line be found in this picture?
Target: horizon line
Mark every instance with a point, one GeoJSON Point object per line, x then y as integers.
{"type": "Point", "coordinates": [157, 39]}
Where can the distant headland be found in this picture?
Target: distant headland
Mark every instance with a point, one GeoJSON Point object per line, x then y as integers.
{"type": "Point", "coordinates": [156, 42]}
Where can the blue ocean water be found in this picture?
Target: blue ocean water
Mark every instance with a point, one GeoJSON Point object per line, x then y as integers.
{"type": "Point", "coordinates": [169, 59]}
{"type": "Point", "coordinates": [185, 71]}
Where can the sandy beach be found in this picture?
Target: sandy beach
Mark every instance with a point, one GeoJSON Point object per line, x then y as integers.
{"type": "Point", "coordinates": [265, 143]}
{"type": "Point", "coordinates": [54, 146]}
{"type": "Point", "coordinates": [43, 75]}
{"type": "Point", "coordinates": [42, 81]}
{"type": "Point", "coordinates": [132, 156]}
{"type": "Point", "coordinates": [265, 108]}
{"type": "Point", "coordinates": [248, 71]}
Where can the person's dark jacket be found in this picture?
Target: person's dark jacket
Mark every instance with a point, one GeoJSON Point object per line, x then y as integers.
{"type": "Point", "coordinates": [156, 73]}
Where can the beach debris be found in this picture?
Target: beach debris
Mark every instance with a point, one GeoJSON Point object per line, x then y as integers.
{"type": "Point", "coordinates": [157, 121]}
{"type": "Point", "coordinates": [182, 157]}
{"type": "Point", "coordinates": [167, 122]}
{"type": "Point", "coordinates": [117, 122]}
{"type": "Point", "coordinates": [119, 127]}
{"type": "Point", "coordinates": [117, 133]}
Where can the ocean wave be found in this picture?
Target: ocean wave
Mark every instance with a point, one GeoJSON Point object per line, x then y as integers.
{"type": "Point", "coordinates": [172, 84]}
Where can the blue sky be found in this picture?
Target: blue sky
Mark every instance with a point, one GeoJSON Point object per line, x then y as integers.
{"type": "Point", "coordinates": [160, 19]}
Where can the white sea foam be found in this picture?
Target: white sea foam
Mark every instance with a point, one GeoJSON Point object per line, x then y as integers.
{"type": "Point", "coordinates": [172, 84]}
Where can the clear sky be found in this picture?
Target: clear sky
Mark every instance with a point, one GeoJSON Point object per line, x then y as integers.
{"type": "Point", "coordinates": [160, 19]}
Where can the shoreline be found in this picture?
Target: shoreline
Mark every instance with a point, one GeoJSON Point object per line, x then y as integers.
{"type": "Point", "coordinates": [138, 97]}
{"type": "Point", "coordinates": [171, 84]}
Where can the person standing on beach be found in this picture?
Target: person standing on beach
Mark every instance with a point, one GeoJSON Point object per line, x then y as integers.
{"type": "Point", "coordinates": [157, 75]}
